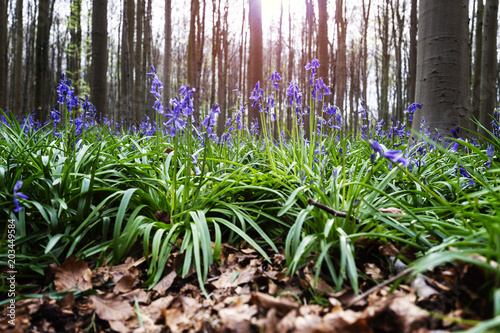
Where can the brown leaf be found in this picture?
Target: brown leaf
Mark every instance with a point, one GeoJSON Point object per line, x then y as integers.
{"type": "Point", "coordinates": [165, 283]}
{"type": "Point", "coordinates": [139, 294]}
{"type": "Point", "coordinates": [73, 273]}
{"type": "Point", "coordinates": [392, 210]}
{"type": "Point", "coordinates": [162, 216]}
{"type": "Point", "coordinates": [127, 268]}
{"type": "Point", "coordinates": [125, 284]}
{"type": "Point", "coordinates": [112, 307]}
{"type": "Point", "coordinates": [154, 310]}
{"type": "Point", "coordinates": [231, 317]}
{"type": "Point", "coordinates": [67, 303]}
{"type": "Point", "coordinates": [372, 270]}
{"type": "Point", "coordinates": [167, 151]}
{"type": "Point", "coordinates": [282, 304]}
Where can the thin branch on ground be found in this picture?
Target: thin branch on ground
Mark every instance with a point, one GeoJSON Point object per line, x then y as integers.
{"type": "Point", "coordinates": [330, 210]}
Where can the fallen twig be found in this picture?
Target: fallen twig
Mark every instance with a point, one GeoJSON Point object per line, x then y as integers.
{"type": "Point", "coordinates": [330, 210]}
{"type": "Point", "coordinates": [379, 286]}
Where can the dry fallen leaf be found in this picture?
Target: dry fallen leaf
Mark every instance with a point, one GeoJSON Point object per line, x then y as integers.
{"type": "Point", "coordinates": [392, 210]}
{"type": "Point", "coordinates": [67, 303]}
{"type": "Point", "coordinates": [165, 283]}
{"type": "Point", "coordinates": [282, 304]}
{"type": "Point", "coordinates": [73, 273]}
{"type": "Point", "coordinates": [112, 307]}
{"type": "Point", "coordinates": [231, 317]}
{"type": "Point", "coordinates": [124, 285]}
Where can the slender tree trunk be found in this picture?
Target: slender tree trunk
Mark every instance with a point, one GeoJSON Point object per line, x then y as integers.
{"type": "Point", "coordinates": [443, 65]}
{"type": "Point", "coordinates": [364, 63]}
{"type": "Point", "coordinates": [290, 68]}
{"type": "Point", "coordinates": [255, 60]}
{"type": "Point", "coordinates": [18, 61]}
{"type": "Point", "coordinates": [99, 82]}
{"type": "Point", "coordinates": [489, 63]}
{"type": "Point", "coordinates": [3, 53]}
{"type": "Point", "coordinates": [412, 62]}
{"type": "Point", "coordinates": [42, 60]}
{"type": "Point", "coordinates": [341, 79]}
{"type": "Point", "coordinates": [323, 57]}
{"type": "Point", "coordinates": [126, 77]}
{"type": "Point", "coordinates": [75, 46]}
{"type": "Point", "coordinates": [476, 84]}
{"type": "Point", "coordinates": [167, 68]}
{"type": "Point", "coordinates": [139, 66]}
{"type": "Point", "coordinates": [146, 55]}
{"type": "Point", "coordinates": [384, 82]}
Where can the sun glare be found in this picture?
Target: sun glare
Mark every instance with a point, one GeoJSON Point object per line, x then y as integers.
{"type": "Point", "coordinates": [271, 9]}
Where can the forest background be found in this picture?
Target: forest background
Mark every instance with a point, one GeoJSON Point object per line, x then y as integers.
{"type": "Point", "coordinates": [367, 51]}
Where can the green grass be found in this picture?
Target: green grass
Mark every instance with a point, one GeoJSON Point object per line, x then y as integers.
{"type": "Point", "coordinates": [97, 194]}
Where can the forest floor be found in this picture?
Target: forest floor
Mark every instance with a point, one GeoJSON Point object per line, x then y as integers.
{"type": "Point", "coordinates": [246, 293]}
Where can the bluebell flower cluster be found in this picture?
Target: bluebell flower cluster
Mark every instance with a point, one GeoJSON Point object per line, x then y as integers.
{"type": "Point", "coordinates": [396, 156]}
{"type": "Point", "coordinates": [18, 195]}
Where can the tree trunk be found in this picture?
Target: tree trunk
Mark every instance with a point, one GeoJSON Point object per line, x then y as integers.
{"type": "Point", "coordinates": [364, 62]}
{"type": "Point", "coordinates": [42, 60]}
{"type": "Point", "coordinates": [99, 82]}
{"type": "Point", "coordinates": [412, 62]}
{"type": "Point", "coordinates": [75, 46]}
{"type": "Point", "coordinates": [488, 96]}
{"type": "Point", "coordinates": [323, 57]}
{"type": "Point", "coordinates": [126, 46]}
{"type": "Point", "coordinates": [341, 79]}
{"type": "Point", "coordinates": [386, 57]}
{"type": "Point", "coordinates": [476, 84]}
{"type": "Point", "coordinates": [139, 66]}
{"type": "Point", "coordinates": [443, 65]}
{"type": "Point", "coordinates": [167, 68]}
{"type": "Point", "coordinates": [255, 62]}
{"type": "Point", "coordinates": [3, 54]}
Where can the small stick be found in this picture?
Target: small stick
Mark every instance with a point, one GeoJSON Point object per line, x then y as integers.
{"type": "Point", "coordinates": [330, 210]}
{"type": "Point", "coordinates": [379, 286]}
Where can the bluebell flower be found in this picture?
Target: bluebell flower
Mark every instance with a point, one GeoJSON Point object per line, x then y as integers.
{"type": "Point", "coordinates": [464, 173]}
{"type": "Point", "coordinates": [412, 108]}
{"type": "Point", "coordinates": [18, 194]}
{"type": "Point", "coordinates": [275, 78]}
{"type": "Point", "coordinates": [195, 163]}
{"type": "Point", "coordinates": [395, 156]}
{"type": "Point", "coordinates": [455, 131]}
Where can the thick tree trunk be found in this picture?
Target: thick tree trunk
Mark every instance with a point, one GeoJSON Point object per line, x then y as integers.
{"type": "Point", "coordinates": [255, 62]}
{"type": "Point", "coordinates": [99, 82]}
{"type": "Point", "coordinates": [443, 65]}
{"type": "Point", "coordinates": [489, 63]}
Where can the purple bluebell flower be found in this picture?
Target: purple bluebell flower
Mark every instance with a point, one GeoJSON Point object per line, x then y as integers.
{"type": "Point", "coordinates": [412, 108]}
{"type": "Point", "coordinates": [464, 173]}
{"type": "Point", "coordinates": [455, 131]}
{"type": "Point", "coordinates": [275, 78]}
{"type": "Point", "coordinates": [195, 164]}
{"type": "Point", "coordinates": [395, 156]}
{"type": "Point", "coordinates": [18, 194]}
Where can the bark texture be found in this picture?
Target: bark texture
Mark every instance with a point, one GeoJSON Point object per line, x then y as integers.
{"type": "Point", "coordinates": [443, 65]}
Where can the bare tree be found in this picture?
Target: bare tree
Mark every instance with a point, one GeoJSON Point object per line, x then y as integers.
{"type": "Point", "coordinates": [489, 73]}
{"type": "Point", "coordinates": [98, 84]}
{"type": "Point", "coordinates": [167, 67]}
{"type": "Point", "coordinates": [255, 61]}
{"type": "Point", "coordinates": [412, 61]}
{"type": "Point", "coordinates": [3, 53]}
{"type": "Point", "coordinates": [17, 105]}
{"type": "Point", "coordinates": [476, 67]}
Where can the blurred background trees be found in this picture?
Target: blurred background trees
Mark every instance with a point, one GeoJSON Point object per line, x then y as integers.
{"type": "Point", "coordinates": [367, 51]}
